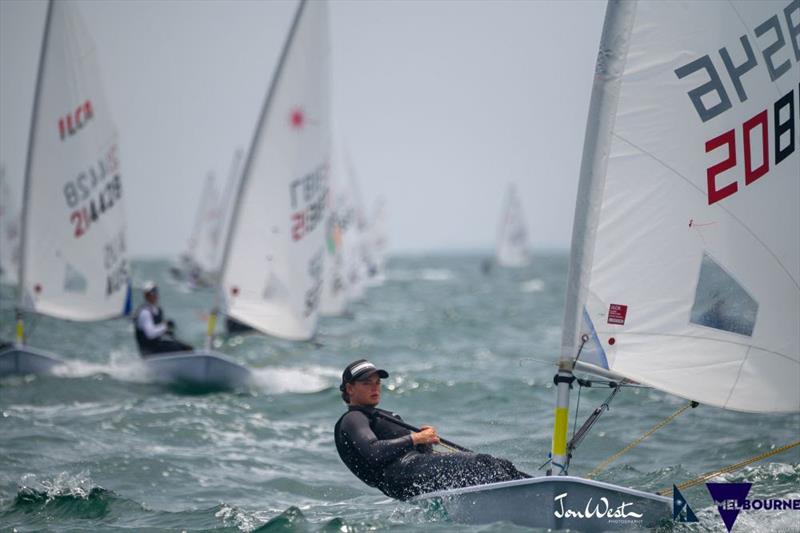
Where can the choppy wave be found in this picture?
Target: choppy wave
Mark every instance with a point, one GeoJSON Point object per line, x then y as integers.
{"type": "Point", "coordinates": [424, 274]}
{"type": "Point", "coordinates": [309, 379]}
{"type": "Point", "coordinates": [472, 354]}
{"type": "Point", "coordinates": [533, 285]}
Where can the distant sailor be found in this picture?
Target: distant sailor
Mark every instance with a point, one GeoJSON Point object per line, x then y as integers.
{"type": "Point", "coordinates": [399, 462]}
{"type": "Point", "coordinates": [153, 334]}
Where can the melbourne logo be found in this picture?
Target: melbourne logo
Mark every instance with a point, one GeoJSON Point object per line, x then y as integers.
{"type": "Point", "coordinates": [731, 498]}
{"type": "Point", "coordinates": [681, 511]}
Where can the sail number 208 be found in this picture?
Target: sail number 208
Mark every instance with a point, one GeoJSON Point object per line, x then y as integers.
{"type": "Point", "coordinates": [755, 140]}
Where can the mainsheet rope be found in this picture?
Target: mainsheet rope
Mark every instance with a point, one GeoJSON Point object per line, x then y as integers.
{"type": "Point", "coordinates": [602, 466]}
{"type": "Point", "coordinates": [728, 469]}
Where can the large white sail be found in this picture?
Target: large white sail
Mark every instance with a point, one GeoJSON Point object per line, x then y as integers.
{"type": "Point", "coordinates": [512, 236]}
{"type": "Point", "coordinates": [74, 262]}
{"type": "Point", "coordinates": [273, 266]}
{"type": "Point", "coordinates": [9, 232]}
{"type": "Point", "coordinates": [685, 269]}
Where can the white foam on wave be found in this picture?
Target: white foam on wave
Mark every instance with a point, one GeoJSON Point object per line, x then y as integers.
{"type": "Point", "coordinates": [533, 285]}
{"type": "Point", "coordinates": [308, 379]}
{"type": "Point", "coordinates": [425, 274]}
{"type": "Point", "coordinates": [64, 484]}
{"type": "Point", "coordinates": [121, 366]}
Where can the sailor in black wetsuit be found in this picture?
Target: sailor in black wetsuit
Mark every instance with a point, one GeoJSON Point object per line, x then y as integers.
{"type": "Point", "coordinates": [153, 334]}
{"type": "Point", "coordinates": [399, 462]}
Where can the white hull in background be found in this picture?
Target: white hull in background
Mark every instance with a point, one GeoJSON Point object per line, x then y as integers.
{"type": "Point", "coordinates": [201, 368]}
{"type": "Point", "coordinates": [24, 360]}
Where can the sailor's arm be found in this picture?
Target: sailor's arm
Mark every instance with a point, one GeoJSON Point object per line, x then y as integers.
{"type": "Point", "coordinates": [146, 324]}
{"type": "Point", "coordinates": [426, 435]}
{"type": "Point", "coordinates": [377, 452]}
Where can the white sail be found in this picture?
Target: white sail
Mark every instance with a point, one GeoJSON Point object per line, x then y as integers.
{"type": "Point", "coordinates": [333, 301]}
{"type": "Point", "coordinates": [202, 251]}
{"type": "Point", "coordinates": [226, 207]}
{"type": "Point", "coordinates": [355, 271]}
{"type": "Point", "coordinates": [685, 270]}
{"type": "Point", "coordinates": [379, 241]}
{"type": "Point", "coordinates": [74, 263]}
{"type": "Point", "coordinates": [273, 265]}
{"type": "Point", "coordinates": [362, 269]}
{"type": "Point", "coordinates": [9, 232]}
{"type": "Point", "coordinates": [512, 236]}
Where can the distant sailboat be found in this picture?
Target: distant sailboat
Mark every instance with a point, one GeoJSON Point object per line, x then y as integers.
{"type": "Point", "coordinates": [272, 271]}
{"type": "Point", "coordinates": [333, 301]}
{"type": "Point", "coordinates": [512, 236]}
{"type": "Point", "coordinates": [359, 260]}
{"type": "Point", "coordinates": [378, 243]}
{"type": "Point", "coordinates": [10, 233]}
{"type": "Point", "coordinates": [73, 246]}
{"type": "Point", "coordinates": [685, 264]}
{"type": "Point", "coordinates": [199, 265]}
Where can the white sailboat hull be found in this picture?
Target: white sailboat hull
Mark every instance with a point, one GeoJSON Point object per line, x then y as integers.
{"type": "Point", "coordinates": [202, 368]}
{"type": "Point", "coordinates": [554, 502]}
{"type": "Point", "coordinates": [23, 360]}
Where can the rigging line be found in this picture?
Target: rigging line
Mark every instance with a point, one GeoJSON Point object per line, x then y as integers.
{"type": "Point", "coordinates": [726, 210]}
{"type": "Point", "coordinates": [577, 407]}
{"type": "Point", "coordinates": [602, 466]}
{"type": "Point", "coordinates": [729, 469]}
{"type": "Point", "coordinates": [573, 444]}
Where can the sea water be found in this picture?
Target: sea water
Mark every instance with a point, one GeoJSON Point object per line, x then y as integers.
{"type": "Point", "coordinates": [100, 448]}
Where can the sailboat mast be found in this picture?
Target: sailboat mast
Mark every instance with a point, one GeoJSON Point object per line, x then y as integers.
{"type": "Point", "coordinates": [20, 332]}
{"type": "Point", "coordinates": [246, 170]}
{"type": "Point", "coordinates": [611, 59]}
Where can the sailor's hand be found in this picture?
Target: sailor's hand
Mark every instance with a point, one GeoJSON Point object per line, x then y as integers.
{"type": "Point", "coordinates": [426, 435]}
{"type": "Point", "coordinates": [170, 326]}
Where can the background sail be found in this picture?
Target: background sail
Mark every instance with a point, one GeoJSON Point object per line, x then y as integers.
{"type": "Point", "coordinates": [512, 236]}
{"type": "Point", "coordinates": [204, 241]}
{"type": "Point", "coordinates": [686, 250]}
{"type": "Point", "coordinates": [74, 249]}
{"type": "Point", "coordinates": [10, 232]}
{"type": "Point", "coordinates": [333, 301]}
{"type": "Point", "coordinates": [273, 271]}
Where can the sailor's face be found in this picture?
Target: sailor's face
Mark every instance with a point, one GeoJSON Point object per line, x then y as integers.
{"type": "Point", "coordinates": [365, 392]}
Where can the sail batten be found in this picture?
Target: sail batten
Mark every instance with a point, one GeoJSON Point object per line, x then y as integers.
{"type": "Point", "coordinates": [686, 246]}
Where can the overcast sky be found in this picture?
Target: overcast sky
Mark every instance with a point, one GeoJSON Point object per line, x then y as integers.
{"type": "Point", "coordinates": [441, 104]}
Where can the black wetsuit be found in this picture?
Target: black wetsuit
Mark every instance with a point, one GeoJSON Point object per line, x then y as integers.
{"type": "Point", "coordinates": [382, 455]}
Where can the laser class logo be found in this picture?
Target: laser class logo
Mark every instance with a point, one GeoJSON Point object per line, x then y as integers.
{"type": "Point", "coordinates": [681, 512]}
{"type": "Point", "coordinates": [731, 498]}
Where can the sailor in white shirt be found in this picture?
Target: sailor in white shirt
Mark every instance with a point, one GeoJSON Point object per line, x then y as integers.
{"type": "Point", "coordinates": [153, 333]}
